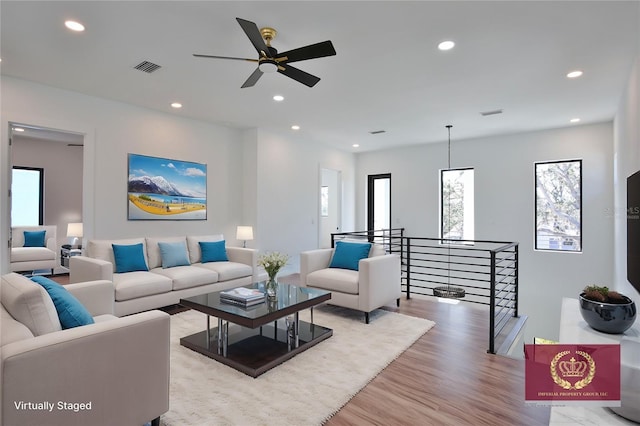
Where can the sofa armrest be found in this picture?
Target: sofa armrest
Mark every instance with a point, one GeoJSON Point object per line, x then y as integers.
{"type": "Point", "coordinates": [120, 367]}
{"type": "Point", "coordinates": [248, 256]}
{"type": "Point", "coordinates": [379, 281]}
{"type": "Point", "coordinates": [83, 268]}
{"type": "Point", "coordinates": [313, 260]}
{"type": "Point", "coordinates": [97, 296]}
{"type": "Point", "coordinates": [52, 244]}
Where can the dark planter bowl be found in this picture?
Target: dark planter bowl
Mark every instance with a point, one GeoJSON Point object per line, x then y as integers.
{"type": "Point", "coordinates": [612, 318]}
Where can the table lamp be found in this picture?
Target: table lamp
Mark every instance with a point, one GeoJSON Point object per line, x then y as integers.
{"type": "Point", "coordinates": [74, 230]}
{"type": "Point", "coordinates": [244, 233]}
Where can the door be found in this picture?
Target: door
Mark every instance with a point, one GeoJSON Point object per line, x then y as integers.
{"type": "Point", "coordinates": [330, 205]}
{"type": "Point", "coordinates": [379, 202]}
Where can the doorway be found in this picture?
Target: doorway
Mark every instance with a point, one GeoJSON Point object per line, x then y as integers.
{"type": "Point", "coordinates": [330, 206]}
{"type": "Point", "coordinates": [379, 202]}
{"type": "Point", "coordinates": [60, 157]}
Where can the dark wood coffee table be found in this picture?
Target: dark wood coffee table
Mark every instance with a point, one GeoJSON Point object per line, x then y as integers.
{"type": "Point", "coordinates": [270, 332]}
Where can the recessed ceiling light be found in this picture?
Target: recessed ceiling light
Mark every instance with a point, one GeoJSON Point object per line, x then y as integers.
{"type": "Point", "coordinates": [176, 105]}
{"type": "Point", "coordinates": [278, 98]}
{"type": "Point", "coordinates": [295, 127]}
{"type": "Point", "coordinates": [18, 129]}
{"type": "Point", "coordinates": [574, 74]}
{"type": "Point", "coordinates": [356, 145]}
{"type": "Point", "coordinates": [446, 45]}
{"type": "Point", "coordinates": [574, 120]}
{"type": "Point", "coordinates": [74, 26]}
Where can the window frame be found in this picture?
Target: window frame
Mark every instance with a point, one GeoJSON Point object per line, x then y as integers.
{"type": "Point", "coordinates": [40, 170]}
{"type": "Point", "coordinates": [535, 207]}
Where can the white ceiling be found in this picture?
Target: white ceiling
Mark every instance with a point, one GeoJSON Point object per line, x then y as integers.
{"type": "Point", "coordinates": [387, 74]}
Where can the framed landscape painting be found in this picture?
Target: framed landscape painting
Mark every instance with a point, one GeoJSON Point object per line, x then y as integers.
{"type": "Point", "coordinates": [164, 189]}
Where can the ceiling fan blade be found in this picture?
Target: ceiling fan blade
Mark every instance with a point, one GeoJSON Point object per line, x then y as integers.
{"type": "Point", "coordinates": [252, 31]}
{"type": "Point", "coordinates": [318, 50]}
{"type": "Point", "coordinates": [298, 75]}
{"type": "Point", "coordinates": [224, 57]}
{"type": "Point", "coordinates": [253, 78]}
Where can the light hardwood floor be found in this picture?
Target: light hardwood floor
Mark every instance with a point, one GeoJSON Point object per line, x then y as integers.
{"type": "Point", "coordinates": [446, 377]}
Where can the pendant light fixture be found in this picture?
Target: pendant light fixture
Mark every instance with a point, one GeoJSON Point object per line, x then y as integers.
{"type": "Point", "coordinates": [448, 291]}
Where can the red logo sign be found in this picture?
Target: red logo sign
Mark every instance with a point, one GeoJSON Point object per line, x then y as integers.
{"type": "Point", "coordinates": [572, 375]}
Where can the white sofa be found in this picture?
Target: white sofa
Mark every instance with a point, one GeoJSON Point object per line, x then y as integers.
{"type": "Point", "coordinates": [375, 283]}
{"type": "Point", "coordinates": [143, 290]}
{"type": "Point", "coordinates": [118, 365]}
{"type": "Point", "coordinates": [31, 258]}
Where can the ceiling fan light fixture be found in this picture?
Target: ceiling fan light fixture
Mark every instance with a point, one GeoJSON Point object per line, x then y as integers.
{"type": "Point", "coordinates": [268, 65]}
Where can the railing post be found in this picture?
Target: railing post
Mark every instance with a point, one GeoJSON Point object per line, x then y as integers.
{"type": "Point", "coordinates": [517, 271]}
{"type": "Point", "coordinates": [408, 263]}
{"type": "Point", "coordinates": [492, 305]}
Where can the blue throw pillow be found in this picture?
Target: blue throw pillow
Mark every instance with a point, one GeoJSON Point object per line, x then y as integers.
{"type": "Point", "coordinates": [347, 255]}
{"type": "Point", "coordinates": [213, 251]}
{"type": "Point", "coordinates": [70, 311]}
{"type": "Point", "coordinates": [34, 238]}
{"type": "Point", "coordinates": [129, 258]}
{"type": "Point", "coordinates": [174, 254]}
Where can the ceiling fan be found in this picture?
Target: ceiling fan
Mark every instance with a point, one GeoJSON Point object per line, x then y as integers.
{"type": "Point", "coordinates": [269, 60]}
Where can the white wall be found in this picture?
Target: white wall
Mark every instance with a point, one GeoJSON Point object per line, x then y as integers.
{"type": "Point", "coordinates": [62, 166]}
{"type": "Point", "coordinates": [626, 162]}
{"type": "Point", "coordinates": [112, 130]}
{"type": "Point", "coordinates": [504, 199]}
{"type": "Point", "coordinates": [288, 192]}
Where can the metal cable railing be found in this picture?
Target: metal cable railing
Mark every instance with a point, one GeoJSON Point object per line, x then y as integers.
{"type": "Point", "coordinates": [487, 271]}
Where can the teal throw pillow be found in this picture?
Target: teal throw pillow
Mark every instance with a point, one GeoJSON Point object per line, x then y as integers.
{"type": "Point", "coordinates": [214, 251]}
{"type": "Point", "coordinates": [34, 238]}
{"type": "Point", "coordinates": [70, 311]}
{"type": "Point", "coordinates": [348, 255]}
{"type": "Point", "coordinates": [174, 254]}
{"type": "Point", "coordinates": [129, 258]}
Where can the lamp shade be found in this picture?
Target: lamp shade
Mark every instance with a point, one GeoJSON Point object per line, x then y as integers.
{"type": "Point", "coordinates": [74, 230]}
{"type": "Point", "coordinates": [244, 233]}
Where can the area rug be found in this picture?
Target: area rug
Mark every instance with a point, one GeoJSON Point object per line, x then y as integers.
{"type": "Point", "coordinates": [305, 390]}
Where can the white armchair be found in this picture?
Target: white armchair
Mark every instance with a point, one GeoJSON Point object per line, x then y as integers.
{"type": "Point", "coordinates": [117, 368]}
{"type": "Point", "coordinates": [375, 283]}
{"type": "Point", "coordinates": [32, 258]}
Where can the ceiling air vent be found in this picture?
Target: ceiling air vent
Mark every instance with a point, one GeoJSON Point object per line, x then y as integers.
{"type": "Point", "coordinates": [147, 67]}
{"type": "Point", "coordinates": [377, 132]}
{"type": "Point", "coordinates": [494, 112]}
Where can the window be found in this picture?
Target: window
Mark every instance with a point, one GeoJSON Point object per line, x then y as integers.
{"type": "Point", "coordinates": [379, 202]}
{"type": "Point", "coordinates": [559, 205]}
{"type": "Point", "coordinates": [457, 204]}
{"type": "Point", "coordinates": [27, 196]}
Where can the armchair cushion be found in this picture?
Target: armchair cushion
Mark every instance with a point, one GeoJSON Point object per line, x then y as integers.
{"type": "Point", "coordinates": [334, 279]}
{"type": "Point", "coordinates": [71, 313]}
{"type": "Point", "coordinates": [348, 255]}
{"type": "Point", "coordinates": [34, 238]}
{"type": "Point", "coordinates": [129, 258]}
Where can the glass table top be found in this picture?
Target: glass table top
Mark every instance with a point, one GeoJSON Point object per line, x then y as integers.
{"type": "Point", "coordinates": [288, 296]}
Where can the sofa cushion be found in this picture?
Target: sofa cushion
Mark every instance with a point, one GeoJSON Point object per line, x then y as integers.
{"type": "Point", "coordinates": [11, 330]}
{"type": "Point", "coordinates": [103, 249]}
{"type": "Point", "coordinates": [174, 254]}
{"type": "Point", "coordinates": [213, 251]}
{"type": "Point", "coordinates": [154, 255]}
{"type": "Point", "coordinates": [188, 276]}
{"type": "Point", "coordinates": [70, 311]}
{"type": "Point", "coordinates": [334, 279]}
{"type": "Point", "coordinates": [136, 284]}
{"type": "Point", "coordinates": [29, 304]}
{"type": "Point", "coordinates": [194, 248]}
{"type": "Point", "coordinates": [31, 254]}
{"type": "Point", "coordinates": [129, 258]}
{"type": "Point", "coordinates": [228, 270]}
{"type": "Point", "coordinates": [348, 255]}
{"type": "Point", "coordinates": [34, 238]}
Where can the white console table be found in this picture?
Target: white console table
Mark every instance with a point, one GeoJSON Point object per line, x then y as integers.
{"type": "Point", "coordinates": [573, 329]}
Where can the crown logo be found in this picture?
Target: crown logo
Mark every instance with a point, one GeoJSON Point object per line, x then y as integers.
{"type": "Point", "coordinates": [572, 368]}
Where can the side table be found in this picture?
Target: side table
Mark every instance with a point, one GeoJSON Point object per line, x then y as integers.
{"type": "Point", "coordinates": [66, 253]}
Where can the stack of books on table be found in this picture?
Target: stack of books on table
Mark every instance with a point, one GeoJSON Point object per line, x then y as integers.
{"type": "Point", "coordinates": [242, 296]}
